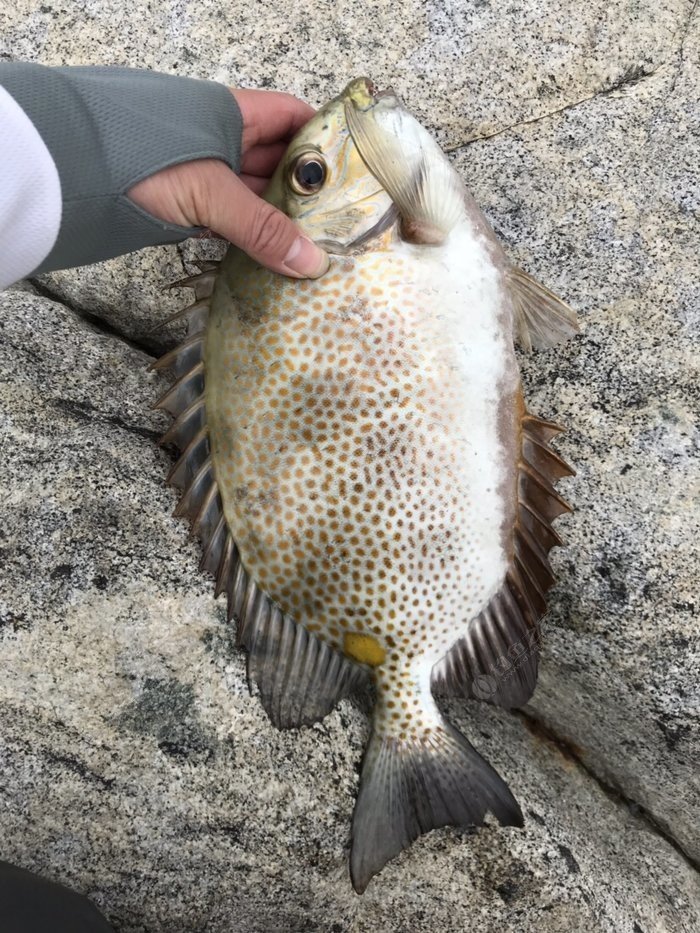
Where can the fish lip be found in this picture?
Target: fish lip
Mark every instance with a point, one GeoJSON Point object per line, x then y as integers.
{"type": "Point", "coordinates": [376, 94]}
{"type": "Point", "coordinates": [387, 92]}
{"type": "Point", "coordinates": [364, 95]}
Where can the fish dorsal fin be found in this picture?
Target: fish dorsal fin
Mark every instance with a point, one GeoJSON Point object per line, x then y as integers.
{"type": "Point", "coordinates": [300, 678]}
{"type": "Point", "coordinates": [541, 318]}
{"type": "Point", "coordinates": [496, 660]}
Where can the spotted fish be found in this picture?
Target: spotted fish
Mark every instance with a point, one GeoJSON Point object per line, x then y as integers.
{"type": "Point", "coordinates": [371, 492]}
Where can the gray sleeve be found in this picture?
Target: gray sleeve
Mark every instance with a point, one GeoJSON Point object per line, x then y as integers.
{"type": "Point", "coordinates": [106, 129]}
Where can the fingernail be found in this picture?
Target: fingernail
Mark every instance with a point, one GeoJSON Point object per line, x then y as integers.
{"type": "Point", "coordinates": [307, 259]}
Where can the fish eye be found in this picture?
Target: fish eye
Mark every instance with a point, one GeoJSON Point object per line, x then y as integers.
{"type": "Point", "coordinates": [308, 173]}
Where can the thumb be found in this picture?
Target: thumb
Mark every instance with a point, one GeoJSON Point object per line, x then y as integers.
{"type": "Point", "coordinates": [232, 210]}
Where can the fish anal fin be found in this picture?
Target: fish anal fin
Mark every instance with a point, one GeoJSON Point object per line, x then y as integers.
{"type": "Point", "coordinates": [497, 659]}
{"type": "Point", "coordinates": [300, 678]}
{"type": "Point", "coordinates": [411, 786]}
{"type": "Point", "coordinates": [541, 318]}
{"type": "Point", "coordinates": [545, 460]}
{"type": "Point", "coordinates": [539, 429]}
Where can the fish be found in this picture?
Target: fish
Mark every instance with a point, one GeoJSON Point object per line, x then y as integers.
{"type": "Point", "coordinates": [371, 492]}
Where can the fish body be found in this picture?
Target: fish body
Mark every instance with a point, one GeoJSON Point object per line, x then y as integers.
{"type": "Point", "coordinates": [364, 439]}
{"type": "Point", "coordinates": [357, 462]}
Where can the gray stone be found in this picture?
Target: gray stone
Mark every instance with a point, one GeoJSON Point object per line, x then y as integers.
{"type": "Point", "coordinates": [129, 293]}
{"type": "Point", "coordinates": [468, 69]}
{"type": "Point", "coordinates": [133, 764]}
{"type": "Point", "coordinates": [136, 768]}
{"type": "Point", "coordinates": [601, 202]}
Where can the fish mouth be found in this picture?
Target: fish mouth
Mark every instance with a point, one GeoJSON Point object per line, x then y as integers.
{"type": "Point", "coordinates": [366, 108]}
{"type": "Point", "coordinates": [374, 120]}
{"type": "Point", "coordinates": [376, 94]}
{"type": "Point", "coordinates": [363, 94]}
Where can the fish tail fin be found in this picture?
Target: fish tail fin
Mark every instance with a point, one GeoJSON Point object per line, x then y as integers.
{"type": "Point", "coordinates": [412, 785]}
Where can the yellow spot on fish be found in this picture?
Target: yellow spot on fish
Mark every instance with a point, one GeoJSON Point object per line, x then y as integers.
{"type": "Point", "coordinates": [363, 648]}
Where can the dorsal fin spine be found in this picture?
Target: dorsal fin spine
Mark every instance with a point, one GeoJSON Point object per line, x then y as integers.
{"type": "Point", "coordinates": [212, 546]}
{"type": "Point", "coordinates": [168, 360]}
{"type": "Point", "coordinates": [201, 305]}
{"type": "Point", "coordinates": [300, 677]}
{"type": "Point", "coordinates": [197, 488]}
{"type": "Point", "coordinates": [205, 278]}
{"type": "Point", "coordinates": [169, 400]}
{"type": "Point", "coordinates": [207, 506]}
{"type": "Point", "coordinates": [181, 465]}
{"type": "Point", "coordinates": [223, 570]}
{"type": "Point", "coordinates": [182, 424]}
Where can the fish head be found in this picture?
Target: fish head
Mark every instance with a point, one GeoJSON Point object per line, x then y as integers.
{"type": "Point", "coordinates": [361, 165]}
{"type": "Point", "coordinates": [324, 184]}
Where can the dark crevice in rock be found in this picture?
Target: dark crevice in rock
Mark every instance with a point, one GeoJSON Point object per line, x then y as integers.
{"type": "Point", "coordinates": [74, 764]}
{"type": "Point", "coordinates": [87, 412]}
{"type": "Point", "coordinates": [633, 76]}
{"type": "Point", "coordinates": [681, 47]}
{"type": "Point", "coordinates": [573, 754]}
{"type": "Point", "coordinates": [93, 320]}
{"type": "Point", "coordinates": [181, 256]}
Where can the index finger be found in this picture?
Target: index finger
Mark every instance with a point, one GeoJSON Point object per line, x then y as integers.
{"type": "Point", "coordinates": [270, 116]}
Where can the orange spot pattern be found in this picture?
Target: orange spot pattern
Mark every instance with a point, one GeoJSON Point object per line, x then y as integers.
{"type": "Point", "coordinates": [334, 415]}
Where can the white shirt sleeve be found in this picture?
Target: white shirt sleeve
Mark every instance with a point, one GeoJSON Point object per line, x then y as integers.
{"type": "Point", "coordinates": [30, 194]}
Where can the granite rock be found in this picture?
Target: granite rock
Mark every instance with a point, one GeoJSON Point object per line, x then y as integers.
{"type": "Point", "coordinates": [468, 69]}
{"type": "Point", "coordinates": [601, 202]}
{"type": "Point", "coordinates": [133, 764]}
{"type": "Point", "coordinates": [135, 767]}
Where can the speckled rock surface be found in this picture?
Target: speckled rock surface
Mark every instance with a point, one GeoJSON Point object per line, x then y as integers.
{"type": "Point", "coordinates": [602, 202]}
{"type": "Point", "coordinates": [468, 68]}
{"type": "Point", "coordinates": [133, 764]}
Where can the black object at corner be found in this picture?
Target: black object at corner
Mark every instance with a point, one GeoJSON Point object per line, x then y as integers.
{"type": "Point", "coordinates": [30, 904]}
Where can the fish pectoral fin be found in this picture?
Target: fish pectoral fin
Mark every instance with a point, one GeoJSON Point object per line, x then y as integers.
{"type": "Point", "coordinates": [410, 787]}
{"type": "Point", "coordinates": [541, 318]}
{"type": "Point", "coordinates": [411, 168]}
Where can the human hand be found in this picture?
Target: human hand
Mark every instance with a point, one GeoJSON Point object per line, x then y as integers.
{"type": "Point", "coordinates": [206, 193]}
